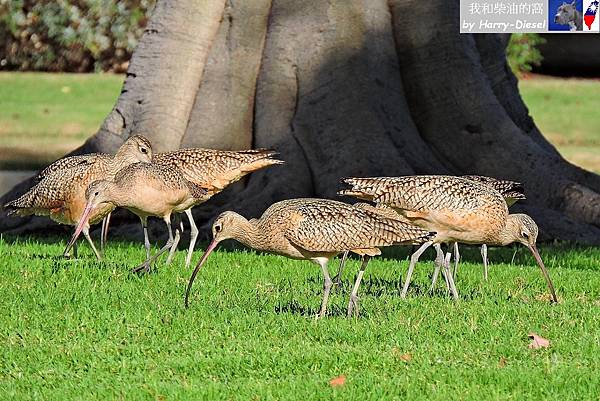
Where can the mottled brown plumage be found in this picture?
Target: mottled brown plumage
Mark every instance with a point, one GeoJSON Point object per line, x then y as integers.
{"type": "Point", "coordinates": [74, 161]}
{"type": "Point", "coordinates": [60, 194]}
{"type": "Point", "coordinates": [458, 209]}
{"type": "Point", "coordinates": [380, 209]}
{"type": "Point", "coordinates": [145, 189]}
{"type": "Point", "coordinates": [512, 191]}
{"type": "Point", "coordinates": [138, 186]}
{"type": "Point", "coordinates": [316, 230]}
{"type": "Point", "coordinates": [214, 170]}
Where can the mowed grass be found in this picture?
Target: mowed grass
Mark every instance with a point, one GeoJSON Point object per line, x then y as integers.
{"type": "Point", "coordinates": [44, 116]}
{"type": "Point", "coordinates": [84, 330]}
{"type": "Point", "coordinates": [566, 112]}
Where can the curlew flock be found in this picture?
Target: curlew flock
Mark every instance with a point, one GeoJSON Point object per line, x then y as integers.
{"type": "Point", "coordinates": [427, 210]}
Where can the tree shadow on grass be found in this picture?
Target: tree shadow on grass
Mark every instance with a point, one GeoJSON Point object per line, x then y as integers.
{"type": "Point", "coordinates": [557, 254]}
{"type": "Point", "coordinates": [296, 308]}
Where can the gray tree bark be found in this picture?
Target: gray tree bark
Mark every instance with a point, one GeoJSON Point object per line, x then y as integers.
{"type": "Point", "coordinates": [339, 88]}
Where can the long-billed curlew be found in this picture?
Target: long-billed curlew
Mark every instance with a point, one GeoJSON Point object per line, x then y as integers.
{"type": "Point", "coordinates": [214, 170]}
{"type": "Point", "coordinates": [315, 230]}
{"type": "Point", "coordinates": [458, 209]}
{"type": "Point", "coordinates": [81, 162]}
{"type": "Point", "coordinates": [511, 191]}
{"type": "Point", "coordinates": [145, 189]}
{"type": "Point", "coordinates": [60, 193]}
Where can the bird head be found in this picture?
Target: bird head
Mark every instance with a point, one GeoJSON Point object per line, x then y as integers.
{"type": "Point", "coordinates": [225, 226]}
{"type": "Point", "coordinates": [97, 193]}
{"type": "Point", "coordinates": [525, 230]}
{"type": "Point", "coordinates": [136, 148]}
{"type": "Point", "coordinates": [521, 228]}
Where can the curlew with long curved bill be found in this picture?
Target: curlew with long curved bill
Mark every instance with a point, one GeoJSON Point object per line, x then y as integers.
{"type": "Point", "coordinates": [146, 190]}
{"type": "Point", "coordinates": [315, 230]}
{"type": "Point", "coordinates": [458, 209]}
{"type": "Point", "coordinates": [60, 193]}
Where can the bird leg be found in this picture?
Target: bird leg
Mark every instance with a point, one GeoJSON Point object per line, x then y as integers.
{"type": "Point", "coordinates": [512, 261]}
{"type": "Point", "coordinates": [338, 277]}
{"type": "Point", "coordinates": [193, 237]}
{"type": "Point", "coordinates": [456, 260]}
{"type": "Point", "coordinates": [327, 283]}
{"type": "Point", "coordinates": [448, 273]}
{"type": "Point", "coordinates": [102, 235]}
{"type": "Point", "coordinates": [86, 232]}
{"type": "Point", "coordinates": [413, 261]}
{"type": "Point", "coordinates": [104, 232]}
{"type": "Point", "coordinates": [146, 265]}
{"type": "Point", "coordinates": [353, 304]}
{"type": "Point", "coordinates": [173, 248]}
{"type": "Point", "coordinates": [485, 261]}
{"type": "Point", "coordinates": [68, 255]}
{"type": "Point", "coordinates": [439, 261]}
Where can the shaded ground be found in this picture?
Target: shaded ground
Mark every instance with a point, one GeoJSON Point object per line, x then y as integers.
{"type": "Point", "coordinates": [10, 178]}
{"type": "Point", "coordinates": [88, 330]}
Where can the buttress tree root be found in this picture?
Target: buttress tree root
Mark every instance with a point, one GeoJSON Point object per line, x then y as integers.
{"type": "Point", "coordinates": [339, 88]}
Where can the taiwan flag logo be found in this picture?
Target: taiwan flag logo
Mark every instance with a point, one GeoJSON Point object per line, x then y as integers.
{"type": "Point", "coordinates": [590, 18]}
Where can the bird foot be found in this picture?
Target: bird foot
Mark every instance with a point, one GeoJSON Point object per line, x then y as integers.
{"type": "Point", "coordinates": [143, 268]}
{"type": "Point", "coordinates": [352, 307]}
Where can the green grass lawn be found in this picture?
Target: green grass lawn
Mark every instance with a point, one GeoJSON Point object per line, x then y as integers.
{"type": "Point", "coordinates": [566, 111]}
{"type": "Point", "coordinates": [84, 330]}
{"type": "Point", "coordinates": [44, 116]}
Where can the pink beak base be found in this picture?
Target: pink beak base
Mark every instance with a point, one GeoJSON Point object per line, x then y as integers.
{"type": "Point", "coordinates": [82, 221]}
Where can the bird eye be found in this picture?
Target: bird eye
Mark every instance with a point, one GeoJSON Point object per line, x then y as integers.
{"type": "Point", "coordinates": [144, 150]}
{"type": "Point", "coordinates": [525, 235]}
{"type": "Point", "coordinates": [218, 228]}
{"type": "Point", "coordinates": [96, 193]}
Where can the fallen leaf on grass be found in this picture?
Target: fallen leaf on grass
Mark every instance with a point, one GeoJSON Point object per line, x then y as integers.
{"type": "Point", "coordinates": [538, 342]}
{"type": "Point", "coordinates": [406, 356]}
{"type": "Point", "coordinates": [337, 381]}
{"type": "Point", "coordinates": [502, 362]}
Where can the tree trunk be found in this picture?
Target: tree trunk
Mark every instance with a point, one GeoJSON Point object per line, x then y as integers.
{"type": "Point", "coordinates": [340, 88]}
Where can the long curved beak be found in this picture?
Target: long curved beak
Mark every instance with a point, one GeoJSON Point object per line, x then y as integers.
{"type": "Point", "coordinates": [82, 221]}
{"type": "Point", "coordinates": [208, 251]}
{"type": "Point", "coordinates": [540, 263]}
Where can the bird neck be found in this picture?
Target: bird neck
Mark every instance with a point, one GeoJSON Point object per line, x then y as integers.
{"type": "Point", "coordinates": [115, 196]}
{"type": "Point", "coordinates": [122, 158]}
{"type": "Point", "coordinates": [508, 234]}
{"type": "Point", "coordinates": [248, 233]}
